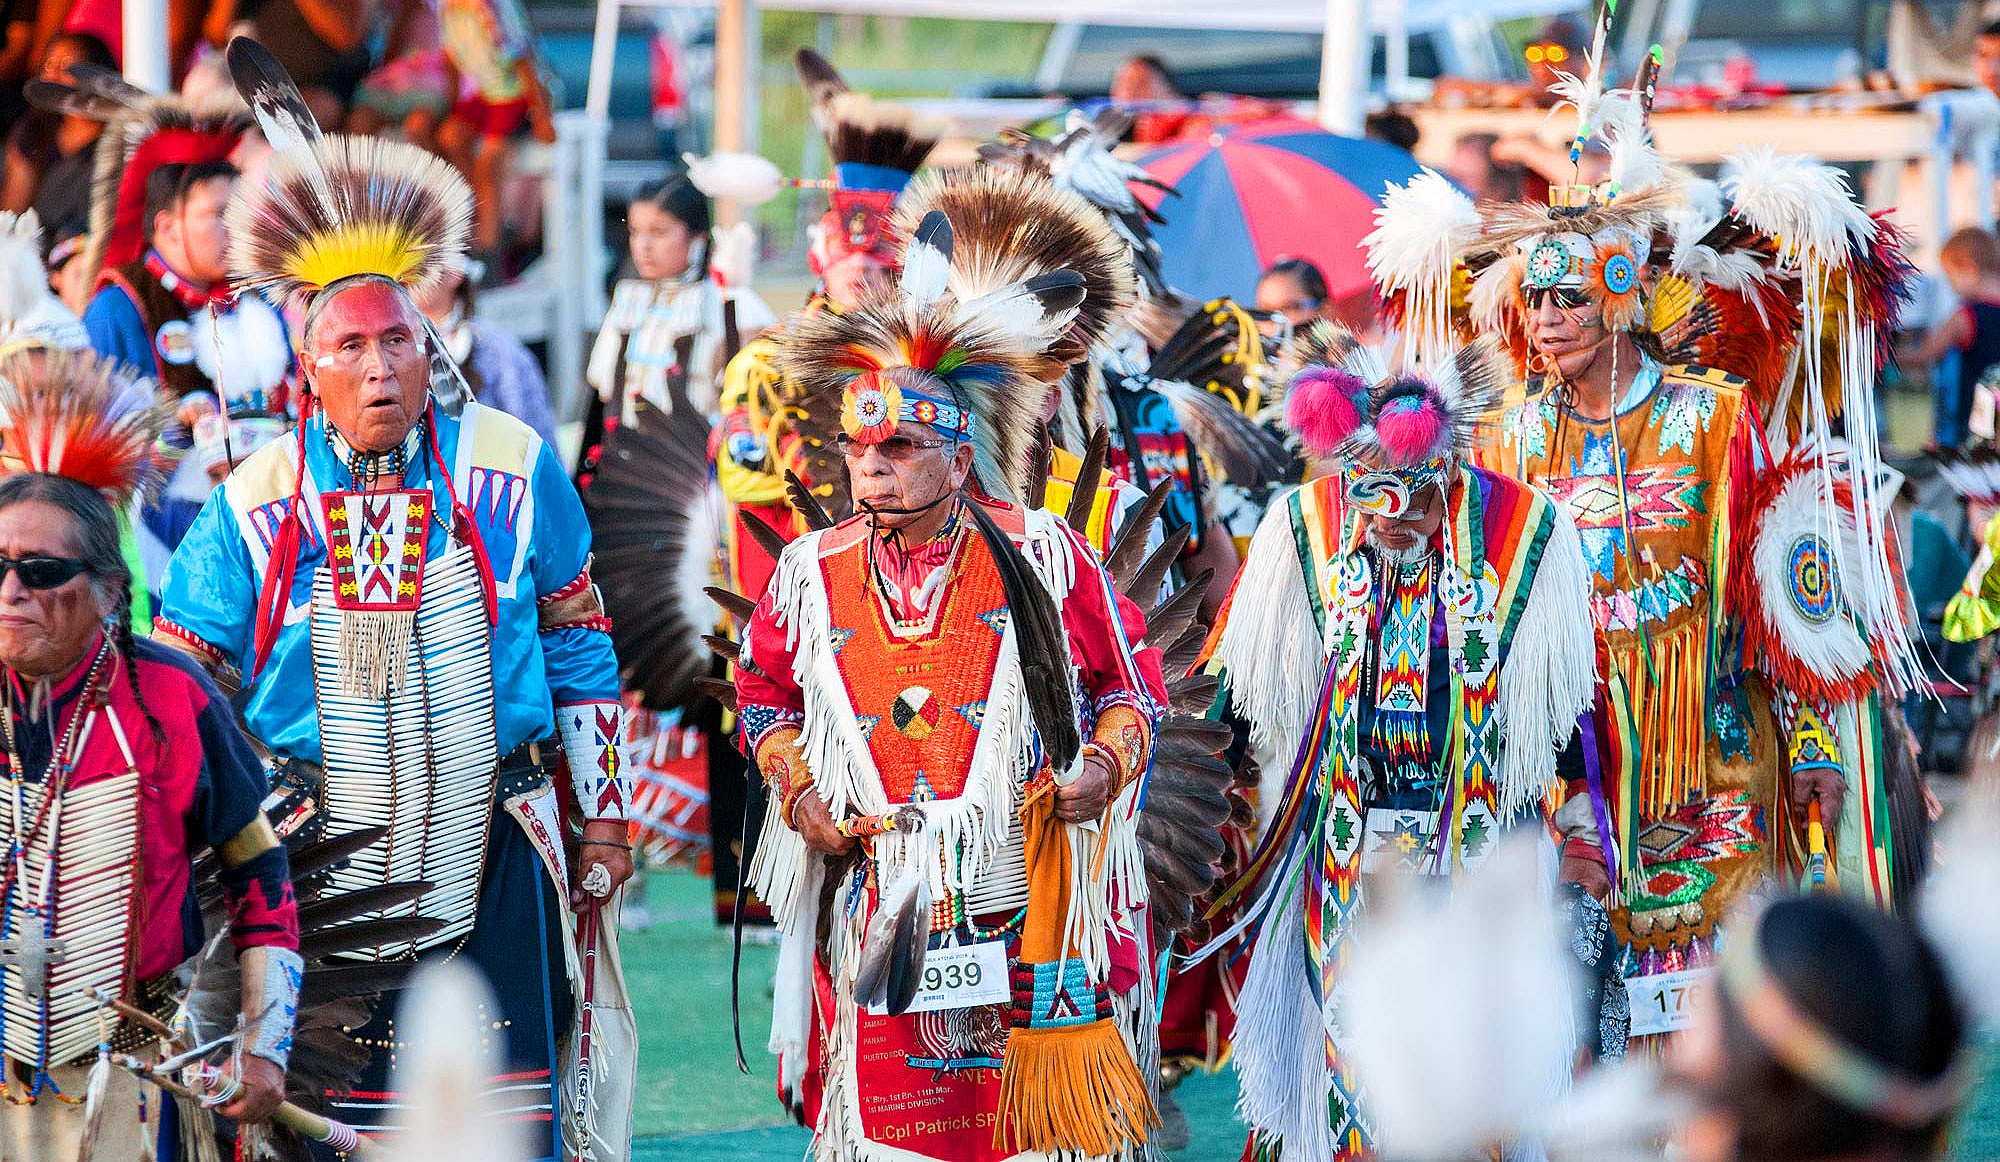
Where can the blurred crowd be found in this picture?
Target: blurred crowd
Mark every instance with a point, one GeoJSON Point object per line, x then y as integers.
{"type": "Point", "coordinates": [459, 77]}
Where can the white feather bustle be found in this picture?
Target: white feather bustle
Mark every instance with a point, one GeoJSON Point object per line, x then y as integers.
{"type": "Point", "coordinates": [1420, 229]}
{"type": "Point", "coordinates": [745, 178]}
{"type": "Point", "coordinates": [1805, 205]}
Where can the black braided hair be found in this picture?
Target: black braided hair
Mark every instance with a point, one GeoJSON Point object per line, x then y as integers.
{"type": "Point", "coordinates": [121, 640]}
{"type": "Point", "coordinates": [95, 541]}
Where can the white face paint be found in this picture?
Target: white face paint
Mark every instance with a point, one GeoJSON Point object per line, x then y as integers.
{"type": "Point", "coordinates": [323, 362]}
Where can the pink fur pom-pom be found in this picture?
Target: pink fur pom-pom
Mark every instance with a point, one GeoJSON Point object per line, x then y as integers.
{"type": "Point", "coordinates": [1411, 427]}
{"type": "Point", "coordinates": [1323, 407]}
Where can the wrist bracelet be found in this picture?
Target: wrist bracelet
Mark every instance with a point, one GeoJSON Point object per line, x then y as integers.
{"type": "Point", "coordinates": [1104, 751]}
{"type": "Point", "coordinates": [604, 843]}
{"type": "Point", "coordinates": [789, 800]}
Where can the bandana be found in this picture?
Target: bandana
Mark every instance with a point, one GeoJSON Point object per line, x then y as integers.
{"type": "Point", "coordinates": [872, 406]}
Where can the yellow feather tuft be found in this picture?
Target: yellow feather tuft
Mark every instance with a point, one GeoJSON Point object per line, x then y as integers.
{"type": "Point", "coordinates": [367, 247]}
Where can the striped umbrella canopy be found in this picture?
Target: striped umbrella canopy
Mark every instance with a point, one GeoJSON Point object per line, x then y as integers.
{"type": "Point", "coordinates": [1253, 193]}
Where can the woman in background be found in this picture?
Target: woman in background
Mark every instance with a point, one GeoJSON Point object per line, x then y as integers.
{"type": "Point", "coordinates": [674, 326]}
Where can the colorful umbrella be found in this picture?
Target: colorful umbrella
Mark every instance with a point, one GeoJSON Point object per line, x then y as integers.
{"type": "Point", "coordinates": [1254, 193]}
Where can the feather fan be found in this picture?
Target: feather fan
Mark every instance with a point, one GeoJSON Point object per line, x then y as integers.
{"type": "Point", "coordinates": [655, 533]}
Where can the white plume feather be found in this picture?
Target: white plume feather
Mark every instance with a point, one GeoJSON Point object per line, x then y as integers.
{"type": "Point", "coordinates": [1016, 315]}
{"type": "Point", "coordinates": [28, 308]}
{"type": "Point", "coordinates": [449, 1117]}
{"type": "Point", "coordinates": [927, 261]}
{"type": "Point", "coordinates": [734, 257]}
{"type": "Point", "coordinates": [1419, 228]}
{"type": "Point", "coordinates": [746, 178]}
{"type": "Point", "coordinates": [1635, 164]}
{"type": "Point", "coordinates": [1803, 204]}
{"type": "Point", "coordinates": [1459, 1015]}
{"type": "Point", "coordinates": [22, 282]}
{"type": "Point", "coordinates": [1956, 910]}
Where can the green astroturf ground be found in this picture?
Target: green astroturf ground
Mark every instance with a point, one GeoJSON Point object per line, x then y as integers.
{"type": "Point", "coordinates": [694, 1106]}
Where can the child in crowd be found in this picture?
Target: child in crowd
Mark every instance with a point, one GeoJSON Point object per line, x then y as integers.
{"type": "Point", "coordinates": [1970, 260]}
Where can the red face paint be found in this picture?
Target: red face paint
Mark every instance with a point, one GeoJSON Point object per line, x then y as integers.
{"type": "Point", "coordinates": [370, 364]}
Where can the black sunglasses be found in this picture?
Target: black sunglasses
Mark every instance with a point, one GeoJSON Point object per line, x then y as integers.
{"type": "Point", "coordinates": [895, 447]}
{"type": "Point", "coordinates": [1568, 298]}
{"type": "Point", "coordinates": [42, 572]}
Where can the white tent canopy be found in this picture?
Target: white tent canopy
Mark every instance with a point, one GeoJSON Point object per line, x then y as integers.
{"type": "Point", "coordinates": [1264, 16]}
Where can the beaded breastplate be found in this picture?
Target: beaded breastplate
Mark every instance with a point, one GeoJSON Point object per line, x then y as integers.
{"type": "Point", "coordinates": [68, 923]}
{"type": "Point", "coordinates": [418, 758]}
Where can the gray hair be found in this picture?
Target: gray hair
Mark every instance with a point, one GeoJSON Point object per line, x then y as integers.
{"type": "Point", "coordinates": [93, 529]}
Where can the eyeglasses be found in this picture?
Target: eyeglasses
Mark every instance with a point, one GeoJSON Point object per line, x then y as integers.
{"type": "Point", "coordinates": [1554, 54]}
{"type": "Point", "coordinates": [42, 572]}
{"type": "Point", "coordinates": [1568, 298]}
{"type": "Point", "coordinates": [894, 448]}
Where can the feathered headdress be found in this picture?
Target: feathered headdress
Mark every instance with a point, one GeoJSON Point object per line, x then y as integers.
{"type": "Point", "coordinates": [144, 131]}
{"type": "Point", "coordinates": [30, 313]}
{"type": "Point", "coordinates": [1082, 161]}
{"type": "Point", "coordinates": [876, 147]}
{"type": "Point", "coordinates": [1391, 434]}
{"type": "Point", "coordinates": [336, 206]}
{"type": "Point", "coordinates": [1420, 230]}
{"type": "Point", "coordinates": [1009, 226]}
{"type": "Point", "coordinates": [969, 366]}
{"type": "Point", "coordinates": [72, 413]}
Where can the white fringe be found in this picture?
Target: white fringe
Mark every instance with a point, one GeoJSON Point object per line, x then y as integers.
{"type": "Point", "coordinates": [1280, 1045]}
{"type": "Point", "coordinates": [375, 651]}
{"type": "Point", "coordinates": [1550, 674]}
{"type": "Point", "coordinates": [1274, 662]}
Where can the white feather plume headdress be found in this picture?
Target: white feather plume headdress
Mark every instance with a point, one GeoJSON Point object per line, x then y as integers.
{"type": "Point", "coordinates": [1420, 230]}
{"type": "Point", "coordinates": [30, 313]}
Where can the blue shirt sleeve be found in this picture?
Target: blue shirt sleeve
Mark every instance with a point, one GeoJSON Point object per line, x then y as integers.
{"type": "Point", "coordinates": [580, 663]}
{"type": "Point", "coordinates": [112, 321]}
{"type": "Point", "coordinates": [211, 589]}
